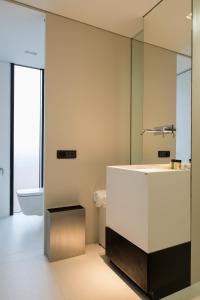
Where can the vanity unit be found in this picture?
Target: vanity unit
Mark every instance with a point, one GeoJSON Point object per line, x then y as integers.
{"type": "Point", "coordinates": [148, 226]}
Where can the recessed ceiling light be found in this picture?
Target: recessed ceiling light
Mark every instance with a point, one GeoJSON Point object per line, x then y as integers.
{"type": "Point", "coordinates": [30, 52]}
{"type": "Point", "coordinates": [189, 16]}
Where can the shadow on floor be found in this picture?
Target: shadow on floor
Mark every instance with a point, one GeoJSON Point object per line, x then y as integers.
{"type": "Point", "coordinates": [125, 278]}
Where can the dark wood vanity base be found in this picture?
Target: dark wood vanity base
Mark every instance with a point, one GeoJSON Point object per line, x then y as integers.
{"type": "Point", "coordinates": [158, 274]}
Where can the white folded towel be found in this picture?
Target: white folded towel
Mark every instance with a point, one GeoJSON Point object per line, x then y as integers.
{"type": "Point", "coordinates": [100, 198]}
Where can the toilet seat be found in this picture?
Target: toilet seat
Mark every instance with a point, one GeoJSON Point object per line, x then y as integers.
{"type": "Point", "coordinates": [30, 192]}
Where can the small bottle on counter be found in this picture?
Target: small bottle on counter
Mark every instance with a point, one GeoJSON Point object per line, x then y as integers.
{"type": "Point", "coordinates": [175, 164]}
{"type": "Point", "coordinates": [172, 163]}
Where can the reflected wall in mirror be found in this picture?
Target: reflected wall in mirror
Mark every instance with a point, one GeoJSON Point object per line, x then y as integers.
{"type": "Point", "coordinates": [161, 83]}
{"type": "Point", "coordinates": [169, 25]}
{"type": "Point", "coordinates": [161, 96]}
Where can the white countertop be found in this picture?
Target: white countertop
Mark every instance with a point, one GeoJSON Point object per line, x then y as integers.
{"type": "Point", "coordinates": [148, 168]}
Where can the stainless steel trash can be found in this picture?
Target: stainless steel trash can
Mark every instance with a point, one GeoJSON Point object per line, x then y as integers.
{"type": "Point", "coordinates": [65, 232]}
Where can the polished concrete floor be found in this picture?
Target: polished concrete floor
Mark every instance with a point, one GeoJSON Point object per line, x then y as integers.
{"type": "Point", "coordinates": [191, 293]}
{"type": "Point", "coordinates": [20, 236]}
{"type": "Point", "coordinates": [26, 274]}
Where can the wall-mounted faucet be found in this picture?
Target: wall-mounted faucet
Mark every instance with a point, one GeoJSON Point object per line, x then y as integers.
{"type": "Point", "coordinates": [167, 129]}
{"type": "Point", "coordinates": [2, 171]}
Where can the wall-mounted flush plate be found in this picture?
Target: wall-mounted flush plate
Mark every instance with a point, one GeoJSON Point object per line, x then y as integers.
{"type": "Point", "coordinates": [163, 154]}
{"type": "Point", "coordinates": [66, 154]}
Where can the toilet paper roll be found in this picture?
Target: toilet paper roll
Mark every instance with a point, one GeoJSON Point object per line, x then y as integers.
{"type": "Point", "coordinates": [100, 198]}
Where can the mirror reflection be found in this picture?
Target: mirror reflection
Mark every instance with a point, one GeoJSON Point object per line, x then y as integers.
{"type": "Point", "coordinates": [161, 85]}
{"type": "Point", "coordinates": [161, 104]}
{"type": "Point", "coordinates": [169, 26]}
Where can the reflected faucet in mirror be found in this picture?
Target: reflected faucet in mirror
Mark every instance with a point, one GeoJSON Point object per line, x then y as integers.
{"type": "Point", "coordinates": [161, 84]}
{"type": "Point", "coordinates": [162, 130]}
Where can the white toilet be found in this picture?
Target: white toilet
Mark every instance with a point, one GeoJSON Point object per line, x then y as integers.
{"type": "Point", "coordinates": [31, 201]}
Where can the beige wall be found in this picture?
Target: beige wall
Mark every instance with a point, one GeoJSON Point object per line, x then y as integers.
{"type": "Point", "coordinates": [159, 104]}
{"type": "Point", "coordinates": [137, 101]}
{"type": "Point", "coordinates": [195, 226]}
{"type": "Point", "coordinates": [87, 108]}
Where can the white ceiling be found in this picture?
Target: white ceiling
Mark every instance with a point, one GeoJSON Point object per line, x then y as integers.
{"type": "Point", "coordinates": [122, 17]}
{"type": "Point", "coordinates": [21, 30]}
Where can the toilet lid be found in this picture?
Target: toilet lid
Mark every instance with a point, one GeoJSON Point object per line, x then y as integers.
{"type": "Point", "coordinates": [30, 192]}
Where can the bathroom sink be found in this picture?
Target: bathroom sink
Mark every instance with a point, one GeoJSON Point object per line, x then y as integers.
{"type": "Point", "coordinates": [146, 203]}
{"type": "Point", "coordinates": [148, 226]}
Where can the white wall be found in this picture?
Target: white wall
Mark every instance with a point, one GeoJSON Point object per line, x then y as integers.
{"type": "Point", "coordinates": [183, 116]}
{"type": "Point", "coordinates": [22, 29]}
{"type": "Point", "coordinates": [87, 80]}
{"type": "Point", "coordinates": [5, 138]}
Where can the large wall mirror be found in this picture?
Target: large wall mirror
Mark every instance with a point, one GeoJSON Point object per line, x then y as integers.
{"type": "Point", "coordinates": [161, 85]}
